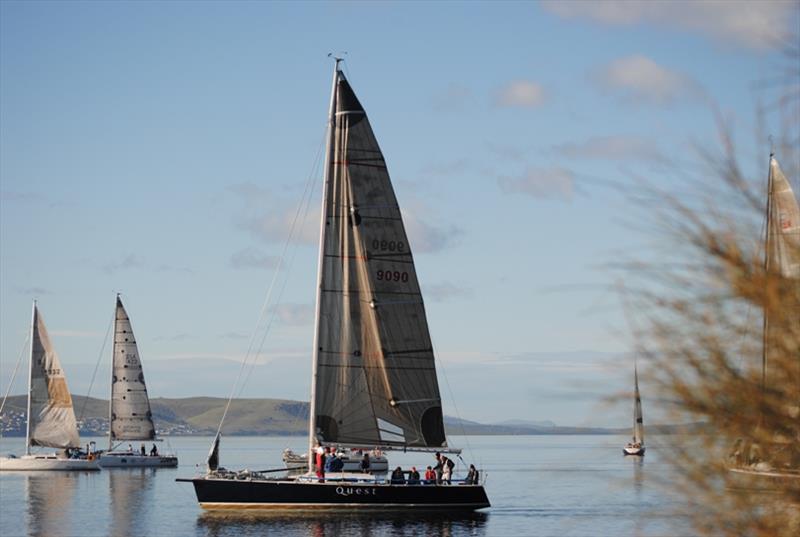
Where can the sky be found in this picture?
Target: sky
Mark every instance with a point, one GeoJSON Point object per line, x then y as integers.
{"type": "Point", "coordinates": [161, 150]}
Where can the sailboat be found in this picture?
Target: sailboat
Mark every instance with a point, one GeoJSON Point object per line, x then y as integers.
{"type": "Point", "coordinates": [51, 417]}
{"type": "Point", "coordinates": [636, 445]}
{"type": "Point", "coordinates": [781, 460]}
{"type": "Point", "coordinates": [373, 373]}
{"type": "Point", "coordinates": [130, 418]}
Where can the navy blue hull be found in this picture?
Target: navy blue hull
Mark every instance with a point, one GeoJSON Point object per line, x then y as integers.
{"type": "Point", "coordinates": [215, 493]}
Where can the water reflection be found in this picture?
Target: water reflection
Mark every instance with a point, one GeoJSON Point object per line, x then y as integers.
{"type": "Point", "coordinates": [128, 492]}
{"type": "Point", "coordinates": [49, 499]}
{"type": "Point", "coordinates": [222, 524]}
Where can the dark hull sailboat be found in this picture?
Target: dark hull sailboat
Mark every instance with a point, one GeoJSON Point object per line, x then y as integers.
{"type": "Point", "coordinates": [373, 373]}
{"type": "Point", "coordinates": [216, 493]}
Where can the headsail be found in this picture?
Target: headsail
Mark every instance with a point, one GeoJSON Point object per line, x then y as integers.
{"type": "Point", "coordinates": [131, 418]}
{"type": "Point", "coordinates": [375, 378]}
{"type": "Point", "coordinates": [638, 421]}
{"type": "Point", "coordinates": [51, 418]}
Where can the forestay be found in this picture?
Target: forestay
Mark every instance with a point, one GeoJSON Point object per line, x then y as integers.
{"type": "Point", "coordinates": [375, 379]}
{"type": "Point", "coordinates": [131, 418]}
{"type": "Point", "coordinates": [51, 416]}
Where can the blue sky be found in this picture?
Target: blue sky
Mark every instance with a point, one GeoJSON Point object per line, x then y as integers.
{"type": "Point", "coordinates": [160, 149]}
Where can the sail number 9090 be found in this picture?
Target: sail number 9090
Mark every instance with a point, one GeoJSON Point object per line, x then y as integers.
{"type": "Point", "coordinates": [388, 246]}
{"type": "Point", "coordinates": [392, 276]}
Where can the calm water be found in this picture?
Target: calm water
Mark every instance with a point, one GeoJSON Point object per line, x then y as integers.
{"type": "Point", "coordinates": [538, 485]}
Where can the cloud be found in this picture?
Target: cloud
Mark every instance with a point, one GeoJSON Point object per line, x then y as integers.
{"type": "Point", "coordinates": [75, 333]}
{"type": "Point", "coordinates": [756, 25]}
{"type": "Point", "coordinates": [441, 292]}
{"type": "Point", "coordinates": [454, 98]}
{"type": "Point", "coordinates": [520, 94]}
{"type": "Point", "coordinates": [427, 238]}
{"type": "Point", "coordinates": [270, 216]}
{"type": "Point", "coordinates": [173, 337]}
{"type": "Point", "coordinates": [294, 314]}
{"type": "Point", "coordinates": [33, 291]}
{"type": "Point", "coordinates": [238, 336]}
{"type": "Point", "coordinates": [24, 197]}
{"type": "Point", "coordinates": [253, 258]}
{"type": "Point", "coordinates": [130, 261]}
{"type": "Point", "coordinates": [641, 79]}
{"type": "Point", "coordinates": [613, 148]}
{"type": "Point", "coordinates": [551, 183]}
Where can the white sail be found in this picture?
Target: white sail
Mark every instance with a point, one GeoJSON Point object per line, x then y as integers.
{"type": "Point", "coordinates": [51, 418]}
{"type": "Point", "coordinates": [784, 226]}
{"type": "Point", "coordinates": [131, 418]}
{"type": "Point", "coordinates": [638, 421]}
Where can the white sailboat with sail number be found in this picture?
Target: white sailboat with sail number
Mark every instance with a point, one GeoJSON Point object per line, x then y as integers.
{"type": "Point", "coordinates": [374, 380]}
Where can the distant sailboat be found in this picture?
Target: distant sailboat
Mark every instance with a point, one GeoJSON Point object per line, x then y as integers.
{"type": "Point", "coordinates": [781, 256]}
{"type": "Point", "coordinates": [130, 418]}
{"type": "Point", "coordinates": [51, 417]}
{"type": "Point", "coordinates": [636, 445]}
{"type": "Point", "coordinates": [373, 374]}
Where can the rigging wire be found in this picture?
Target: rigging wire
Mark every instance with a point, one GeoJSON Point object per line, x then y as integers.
{"type": "Point", "coordinates": [14, 374]}
{"type": "Point", "coordinates": [267, 299]}
{"type": "Point", "coordinates": [96, 367]}
{"type": "Point", "coordinates": [453, 401]}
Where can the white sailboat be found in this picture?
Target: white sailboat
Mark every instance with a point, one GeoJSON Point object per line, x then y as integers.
{"type": "Point", "coordinates": [130, 418]}
{"type": "Point", "coordinates": [781, 256]}
{"type": "Point", "coordinates": [636, 445]}
{"type": "Point", "coordinates": [51, 417]}
{"type": "Point", "coordinates": [374, 377]}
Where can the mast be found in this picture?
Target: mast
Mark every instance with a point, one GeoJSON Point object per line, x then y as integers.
{"type": "Point", "coordinates": [768, 229]}
{"type": "Point", "coordinates": [111, 384]}
{"type": "Point", "coordinates": [30, 384]}
{"type": "Point", "coordinates": [312, 422]}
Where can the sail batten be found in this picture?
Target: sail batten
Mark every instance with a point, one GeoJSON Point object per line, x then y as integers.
{"type": "Point", "coordinates": [372, 350]}
{"type": "Point", "coordinates": [131, 417]}
{"type": "Point", "coordinates": [51, 417]}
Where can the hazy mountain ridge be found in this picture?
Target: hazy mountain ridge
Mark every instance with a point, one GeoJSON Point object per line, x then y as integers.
{"type": "Point", "coordinates": [270, 417]}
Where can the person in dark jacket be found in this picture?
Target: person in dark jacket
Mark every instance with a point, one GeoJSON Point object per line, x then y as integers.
{"type": "Point", "coordinates": [444, 469]}
{"type": "Point", "coordinates": [398, 478]}
{"type": "Point", "coordinates": [413, 476]}
{"type": "Point", "coordinates": [472, 476]}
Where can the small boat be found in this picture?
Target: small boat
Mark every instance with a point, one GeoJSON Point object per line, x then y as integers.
{"type": "Point", "coordinates": [51, 417]}
{"type": "Point", "coordinates": [636, 445]}
{"type": "Point", "coordinates": [351, 460]}
{"type": "Point", "coordinates": [130, 418]}
{"type": "Point", "coordinates": [373, 370]}
{"type": "Point", "coordinates": [752, 464]}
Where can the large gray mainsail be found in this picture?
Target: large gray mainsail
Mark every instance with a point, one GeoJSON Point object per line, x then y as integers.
{"type": "Point", "coordinates": [131, 418]}
{"type": "Point", "coordinates": [51, 418]}
{"type": "Point", "coordinates": [375, 378]}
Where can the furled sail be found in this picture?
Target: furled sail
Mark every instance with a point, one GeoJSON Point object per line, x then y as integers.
{"type": "Point", "coordinates": [638, 421]}
{"type": "Point", "coordinates": [131, 418]}
{"type": "Point", "coordinates": [376, 378]}
{"type": "Point", "coordinates": [52, 418]}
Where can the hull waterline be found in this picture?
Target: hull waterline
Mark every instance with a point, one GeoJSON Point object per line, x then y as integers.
{"type": "Point", "coordinates": [49, 463]}
{"type": "Point", "coordinates": [127, 460]}
{"type": "Point", "coordinates": [257, 494]}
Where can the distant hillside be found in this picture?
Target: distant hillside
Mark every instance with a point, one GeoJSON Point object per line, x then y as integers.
{"type": "Point", "coordinates": [265, 417]}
